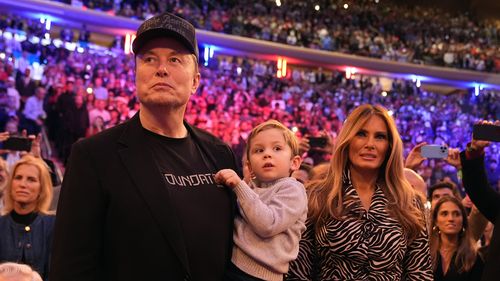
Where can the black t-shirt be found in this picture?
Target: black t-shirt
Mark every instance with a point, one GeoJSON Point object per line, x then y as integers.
{"type": "Point", "coordinates": [202, 206]}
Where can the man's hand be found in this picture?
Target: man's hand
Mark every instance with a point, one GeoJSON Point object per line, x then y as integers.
{"type": "Point", "coordinates": [227, 177]}
{"type": "Point", "coordinates": [328, 148]}
{"type": "Point", "coordinates": [36, 150]}
{"type": "Point", "coordinates": [415, 158]}
{"type": "Point", "coordinates": [304, 145]}
{"type": "Point", "coordinates": [467, 202]}
{"type": "Point", "coordinates": [481, 144]}
{"type": "Point", "coordinates": [35, 145]}
{"type": "Point", "coordinates": [3, 137]}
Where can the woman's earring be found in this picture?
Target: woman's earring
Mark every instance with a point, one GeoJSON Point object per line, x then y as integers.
{"type": "Point", "coordinates": [435, 228]}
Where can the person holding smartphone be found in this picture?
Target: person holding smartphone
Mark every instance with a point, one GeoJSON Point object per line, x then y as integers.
{"type": "Point", "coordinates": [484, 197]}
{"type": "Point", "coordinates": [318, 148]}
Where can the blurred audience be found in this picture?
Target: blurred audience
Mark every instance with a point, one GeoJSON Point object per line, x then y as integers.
{"type": "Point", "coordinates": [237, 93]}
{"type": "Point", "coordinates": [388, 30]}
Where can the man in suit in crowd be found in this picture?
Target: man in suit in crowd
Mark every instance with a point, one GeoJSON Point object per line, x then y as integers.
{"type": "Point", "coordinates": [25, 85]}
{"type": "Point", "coordinates": [139, 201]}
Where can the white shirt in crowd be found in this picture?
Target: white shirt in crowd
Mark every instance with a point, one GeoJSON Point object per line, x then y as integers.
{"type": "Point", "coordinates": [94, 113]}
{"type": "Point", "coordinates": [101, 93]}
{"type": "Point", "coordinates": [34, 108]}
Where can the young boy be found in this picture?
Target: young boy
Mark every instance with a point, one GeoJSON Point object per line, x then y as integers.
{"type": "Point", "coordinates": [273, 208]}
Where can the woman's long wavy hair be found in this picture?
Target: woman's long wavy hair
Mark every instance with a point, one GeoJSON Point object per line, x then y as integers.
{"type": "Point", "coordinates": [326, 198]}
{"type": "Point", "coordinates": [46, 192]}
{"type": "Point", "coordinates": [466, 251]}
{"type": "Point", "coordinates": [3, 166]}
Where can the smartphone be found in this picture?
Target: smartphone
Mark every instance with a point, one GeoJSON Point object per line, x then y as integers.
{"type": "Point", "coordinates": [487, 132]}
{"type": "Point", "coordinates": [317, 141]}
{"type": "Point", "coordinates": [17, 144]}
{"type": "Point", "coordinates": [434, 151]}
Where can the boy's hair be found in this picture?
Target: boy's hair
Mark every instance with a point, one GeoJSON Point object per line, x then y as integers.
{"type": "Point", "coordinates": [289, 136]}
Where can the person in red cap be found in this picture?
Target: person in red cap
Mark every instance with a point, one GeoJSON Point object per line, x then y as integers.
{"type": "Point", "coordinates": [139, 201]}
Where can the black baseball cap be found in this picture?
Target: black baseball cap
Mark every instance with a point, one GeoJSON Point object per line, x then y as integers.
{"type": "Point", "coordinates": [166, 25]}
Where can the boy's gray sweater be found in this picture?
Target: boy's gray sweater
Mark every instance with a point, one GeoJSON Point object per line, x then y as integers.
{"type": "Point", "coordinates": [267, 234]}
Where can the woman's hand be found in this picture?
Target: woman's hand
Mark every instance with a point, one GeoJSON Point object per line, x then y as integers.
{"type": "Point", "coordinates": [415, 158]}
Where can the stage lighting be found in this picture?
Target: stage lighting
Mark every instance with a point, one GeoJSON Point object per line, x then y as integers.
{"type": "Point", "coordinates": [478, 88]}
{"type": "Point", "coordinates": [281, 65]}
{"type": "Point", "coordinates": [349, 72]}
{"type": "Point", "coordinates": [129, 39]}
{"type": "Point", "coordinates": [208, 54]}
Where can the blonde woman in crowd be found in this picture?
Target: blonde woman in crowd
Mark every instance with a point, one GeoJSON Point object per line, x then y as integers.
{"type": "Point", "coordinates": [26, 225]}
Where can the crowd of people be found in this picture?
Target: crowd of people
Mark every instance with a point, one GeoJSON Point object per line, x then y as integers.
{"type": "Point", "coordinates": [84, 93]}
{"type": "Point", "coordinates": [385, 30]}
{"type": "Point", "coordinates": [81, 94]}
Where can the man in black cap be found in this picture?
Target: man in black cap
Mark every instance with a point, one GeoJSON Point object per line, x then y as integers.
{"type": "Point", "coordinates": [139, 201]}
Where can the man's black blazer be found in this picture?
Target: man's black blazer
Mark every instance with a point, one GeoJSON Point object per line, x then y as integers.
{"type": "Point", "coordinates": [488, 202]}
{"type": "Point", "coordinates": [113, 219]}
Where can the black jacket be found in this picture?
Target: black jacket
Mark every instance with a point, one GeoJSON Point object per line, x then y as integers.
{"type": "Point", "coordinates": [114, 220]}
{"type": "Point", "coordinates": [488, 202]}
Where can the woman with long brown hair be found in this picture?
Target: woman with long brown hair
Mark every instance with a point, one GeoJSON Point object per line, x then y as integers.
{"type": "Point", "coordinates": [365, 221]}
{"type": "Point", "coordinates": [453, 251]}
